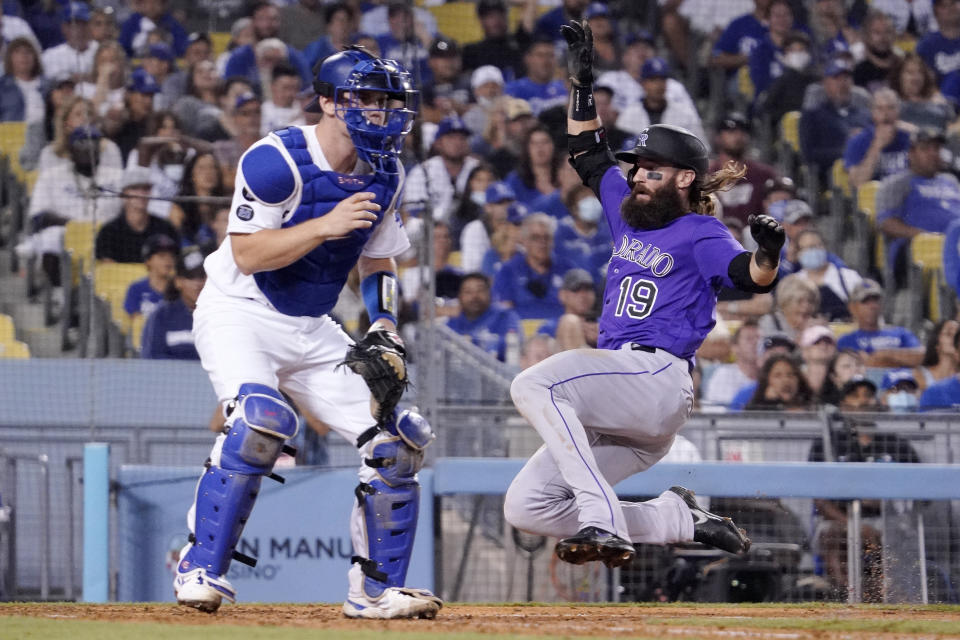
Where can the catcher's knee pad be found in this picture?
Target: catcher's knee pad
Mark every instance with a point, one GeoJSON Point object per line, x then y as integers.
{"type": "Point", "coordinates": [259, 421]}
{"type": "Point", "coordinates": [389, 504]}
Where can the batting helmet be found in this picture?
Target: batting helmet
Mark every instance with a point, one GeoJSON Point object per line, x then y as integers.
{"type": "Point", "coordinates": [344, 77]}
{"type": "Point", "coordinates": [673, 145]}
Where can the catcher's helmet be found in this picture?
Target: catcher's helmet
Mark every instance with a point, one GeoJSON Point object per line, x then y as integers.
{"type": "Point", "coordinates": [344, 77]}
{"type": "Point", "coordinates": [670, 144]}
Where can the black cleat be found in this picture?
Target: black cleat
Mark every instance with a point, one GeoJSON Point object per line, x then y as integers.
{"type": "Point", "coordinates": [592, 543]}
{"type": "Point", "coordinates": [713, 530]}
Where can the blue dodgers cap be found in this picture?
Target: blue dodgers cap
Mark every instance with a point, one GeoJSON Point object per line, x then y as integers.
{"type": "Point", "coordinates": [895, 377]}
{"type": "Point", "coordinates": [75, 12]}
{"type": "Point", "coordinates": [790, 211]}
{"type": "Point", "coordinates": [84, 132]}
{"type": "Point", "coordinates": [641, 35]}
{"type": "Point", "coordinates": [516, 212]}
{"type": "Point", "coordinates": [244, 98]}
{"type": "Point", "coordinates": [160, 50]}
{"type": "Point", "coordinates": [452, 124]}
{"type": "Point", "coordinates": [500, 192]}
{"type": "Point", "coordinates": [142, 82]}
{"type": "Point", "coordinates": [655, 68]}
{"type": "Point", "coordinates": [838, 65]}
{"type": "Point", "coordinates": [595, 9]}
{"type": "Point", "coordinates": [159, 243]}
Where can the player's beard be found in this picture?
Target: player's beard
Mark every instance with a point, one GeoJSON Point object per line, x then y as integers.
{"type": "Point", "coordinates": [663, 207]}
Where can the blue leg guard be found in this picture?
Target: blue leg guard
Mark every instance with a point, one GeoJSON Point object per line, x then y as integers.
{"type": "Point", "coordinates": [390, 503]}
{"type": "Point", "coordinates": [259, 421]}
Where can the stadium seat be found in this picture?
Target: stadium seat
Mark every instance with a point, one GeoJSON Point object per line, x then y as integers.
{"type": "Point", "coordinates": [745, 84]}
{"type": "Point", "coordinates": [458, 20]}
{"type": "Point", "coordinates": [926, 254]}
{"type": "Point", "coordinates": [867, 204]}
{"type": "Point", "coordinates": [12, 137]}
{"type": "Point", "coordinates": [841, 329]}
{"type": "Point", "coordinates": [14, 349]}
{"type": "Point", "coordinates": [530, 327]}
{"type": "Point", "coordinates": [111, 281]}
{"type": "Point", "coordinates": [790, 129]}
{"type": "Point", "coordinates": [7, 331]}
{"type": "Point", "coordinates": [839, 178]}
{"type": "Point", "coordinates": [455, 259]}
{"type": "Point", "coordinates": [219, 40]}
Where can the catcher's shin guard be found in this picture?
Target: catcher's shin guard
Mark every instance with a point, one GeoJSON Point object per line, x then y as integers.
{"type": "Point", "coordinates": [388, 504]}
{"type": "Point", "coordinates": [259, 421]}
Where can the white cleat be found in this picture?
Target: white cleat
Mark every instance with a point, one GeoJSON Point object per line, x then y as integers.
{"type": "Point", "coordinates": [201, 590]}
{"type": "Point", "coordinates": [394, 602]}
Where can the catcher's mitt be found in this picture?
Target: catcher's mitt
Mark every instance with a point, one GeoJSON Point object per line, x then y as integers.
{"type": "Point", "coordinates": [380, 359]}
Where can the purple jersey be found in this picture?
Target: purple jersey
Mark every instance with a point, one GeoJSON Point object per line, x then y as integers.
{"type": "Point", "coordinates": [662, 284]}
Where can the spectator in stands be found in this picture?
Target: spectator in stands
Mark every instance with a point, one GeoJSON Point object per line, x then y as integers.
{"type": "Point", "coordinates": [626, 83]}
{"type": "Point", "coordinates": [244, 121]}
{"type": "Point", "coordinates": [577, 327]}
{"type": "Point", "coordinates": [160, 63]}
{"type": "Point", "coordinates": [943, 394]}
{"type": "Point", "coordinates": [767, 58]}
{"type": "Point", "coordinates": [879, 57]}
{"type": "Point", "coordinates": [128, 126]}
{"type": "Point", "coordinates": [199, 49]}
{"type": "Point", "coordinates": [548, 25]}
{"type": "Point", "coordinates": [375, 20]}
{"type": "Point", "coordinates": [796, 217]}
{"type": "Point", "coordinates": [882, 346]}
{"type": "Point", "coordinates": [912, 19]}
{"type": "Point", "coordinates": [656, 107]}
{"type": "Point", "coordinates": [825, 129]}
{"type": "Point", "coordinates": [504, 240]}
{"type": "Point", "coordinates": [198, 108]}
{"type": "Point", "coordinates": [924, 198]}
{"type": "Point", "coordinates": [150, 16]}
{"type": "Point", "coordinates": [536, 173]}
{"type": "Point", "coordinates": [830, 28]}
{"type": "Point", "coordinates": [241, 35]}
{"type": "Point", "coordinates": [168, 332]}
{"type": "Point", "coordinates": [447, 90]}
{"type": "Point", "coordinates": [406, 38]}
{"type": "Point", "coordinates": [441, 179]}
{"type": "Point", "coordinates": [529, 282]}
{"type": "Point", "coordinates": [798, 300]}
{"type": "Point", "coordinates": [256, 61]}
{"type": "Point", "coordinates": [476, 235]}
{"type": "Point", "coordinates": [160, 257]}
{"type": "Point", "coordinates": [836, 284]}
{"type": "Point", "coordinates": [767, 347]}
{"type": "Point", "coordinates": [471, 204]}
{"type": "Point", "coordinates": [202, 176]}
{"type": "Point", "coordinates": [879, 150]}
{"type": "Point", "coordinates": [845, 365]}
{"type": "Point", "coordinates": [705, 19]}
{"type": "Point", "coordinates": [39, 134]}
{"type": "Point", "coordinates": [105, 87]}
{"type": "Point", "coordinates": [301, 21]}
{"type": "Point", "coordinates": [781, 386]}
{"type": "Point", "coordinates": [583, 237]}
{"type": "Point", "coordinates": [486, 325]}
{"type": "Point", "coordinates": [606, 49]}
{"type": "Point", "coordinates": [729, 378]}
{"type": "Point", "coordinates": [921, 103]}
{"type": "Point", "coordinates": [732, 49]}
{"type": "Point", "coordinates": [510, 123]}
{"type": "Point", "coordinates": [341, 23]}
{"type": "Point", "coordinates": [817, 348]}
{"type": "Point", "coordinates": [899, 391]}
{"type": "Point", "coordinates": [732, 144]}
{"type": "Point", "coordinates": [20, 97]}
{"type": "Point", "coordinates": [940, 48]}
{"type": "Point", "coordinates": [777, 189]}
{"type": "Point", "coordinates": [940, 359]}
{"type": "Point", "coordinates": [282, 109]}
{"type": "Point", "coordinates": [786, 92]}
{"type": "Point", "coordinates": [122, 239]}
{"type": "Point", "coordinates": [540, 86]}
{"type": "Point", "coordinates": [498, 47]}
{"type": "Point", "coordinates": [13, 27]}
{"type": "Point", "coordinates": [74, 57]}
{"type": "Point", "coordinates": [486, 82]}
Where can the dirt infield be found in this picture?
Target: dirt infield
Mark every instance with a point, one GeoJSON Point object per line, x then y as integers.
{"type": "Point", "coordinates": [780, 622]}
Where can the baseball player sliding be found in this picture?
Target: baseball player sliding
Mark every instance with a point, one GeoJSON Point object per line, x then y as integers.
{"type": "Point", "coordinates": [310, 203]}
{"type": "Point", "coordinates": [607, 413]}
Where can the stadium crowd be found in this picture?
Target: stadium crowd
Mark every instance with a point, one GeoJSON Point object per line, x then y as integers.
{"type": "Point", "coordinates": [127, 99]}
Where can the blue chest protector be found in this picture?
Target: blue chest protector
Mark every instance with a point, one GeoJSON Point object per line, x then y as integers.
{"type": "Point", "coordinates": [311, 285]}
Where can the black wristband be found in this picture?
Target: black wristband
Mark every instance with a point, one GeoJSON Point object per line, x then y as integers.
{"type": "Point", "coordinates": [767, 259]}
{"type": "Point", "coordinates": [582, 106]}
{"type": "Point", "coordinates": [586, 141]}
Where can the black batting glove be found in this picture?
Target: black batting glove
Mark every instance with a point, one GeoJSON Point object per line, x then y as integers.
{"type": "Point", "coordinates": [769, 236]}
{"type": "Point", "coordinates": [580, 52]}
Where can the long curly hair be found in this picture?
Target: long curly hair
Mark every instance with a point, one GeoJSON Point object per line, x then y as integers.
{"type": "Point", "coordinates": [701, 198]}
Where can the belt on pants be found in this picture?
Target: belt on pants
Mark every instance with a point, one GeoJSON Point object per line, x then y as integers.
{"type": "Point", "coordinates": [642, 347]}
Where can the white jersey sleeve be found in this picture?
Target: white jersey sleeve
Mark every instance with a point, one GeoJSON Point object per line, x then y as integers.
{"type": "Point", "coordinates": [247, 213]}
{"type": "Point", "coordinates": [389, 239]}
